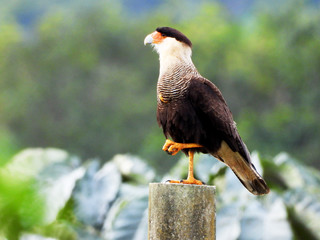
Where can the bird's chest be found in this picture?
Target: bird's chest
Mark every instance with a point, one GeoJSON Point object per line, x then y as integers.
{"type": "Point", "coordinates": [171, 88]}
{"type": "Point", "coordinates": [178, 120]}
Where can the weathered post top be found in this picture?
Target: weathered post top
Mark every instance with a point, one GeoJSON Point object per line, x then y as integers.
{"type": "Point", "coordinates": [181, 212]}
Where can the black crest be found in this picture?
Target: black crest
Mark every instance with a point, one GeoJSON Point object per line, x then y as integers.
{"type": "Point", "coordinates": [171, 32]}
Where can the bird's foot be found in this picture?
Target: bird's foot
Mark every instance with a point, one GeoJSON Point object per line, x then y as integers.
{"type": "Point", "coordinates": [187, 181]}
{"type": "Point", "coordinates": [172, 147]}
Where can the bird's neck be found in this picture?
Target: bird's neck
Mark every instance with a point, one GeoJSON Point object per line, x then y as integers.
{"type": "Point", "coordinates": [174, 76]}
{"type": "Point", "coordinates": [173, 54]}
{"type": "Point", "coordinates": [170, 63]}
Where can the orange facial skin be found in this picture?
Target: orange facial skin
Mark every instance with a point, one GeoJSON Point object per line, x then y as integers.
{"type": "Point", "coordinates": [157, 37]}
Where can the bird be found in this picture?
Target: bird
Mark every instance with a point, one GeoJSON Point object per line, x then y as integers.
{"type": "Point", "coordinates": [193, 113]}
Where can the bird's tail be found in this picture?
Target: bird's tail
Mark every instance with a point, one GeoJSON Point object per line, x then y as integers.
{"type": "Point", "coordinates": [256, 185]}
{"type": "Point", "coordinates": [243, 169]}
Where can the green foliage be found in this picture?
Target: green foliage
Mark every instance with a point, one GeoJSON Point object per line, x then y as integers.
{"type": "Point", "coordinates": [63, 228]}
{"type": "Point", "coordinates": [61, 199]}
{"type": "Point", "coordinates": [78, 77]}
{"type": "Point", "coordinates": [8, 146]}
{"type": "Point", "coordinates": [289, 211]}
{"type": "Point", "coordinates": [21, 206]}
{"type": "Point", "coordinates": [35, 186]}
{"type": "Point", "coordinates": [79, 80]}
{"type": "Point", "coordinates": [84, 81]}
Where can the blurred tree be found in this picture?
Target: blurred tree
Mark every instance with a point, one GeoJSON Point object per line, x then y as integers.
{"type": "Point", "coordinates": [281, 59]}
{"type": "Point", "coordinates": [84, 81]}
{"type": "Point", "coordinates": [78, 86]}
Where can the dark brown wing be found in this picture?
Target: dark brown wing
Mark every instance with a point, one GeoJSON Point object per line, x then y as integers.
{"type": "Point", "coordinates": [210, 105]}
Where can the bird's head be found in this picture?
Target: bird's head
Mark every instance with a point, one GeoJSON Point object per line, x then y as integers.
{"type": "Point", "coordinates": [169, 42]}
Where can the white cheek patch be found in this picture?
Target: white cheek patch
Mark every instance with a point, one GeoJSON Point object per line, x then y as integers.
{"type": "Point", "coordinates": [170, 47]}
{"type": "Point", "coordinates": [172, 52]}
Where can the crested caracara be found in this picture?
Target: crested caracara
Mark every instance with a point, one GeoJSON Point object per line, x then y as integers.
{"type": "Point", "coordinates": [192, 111]}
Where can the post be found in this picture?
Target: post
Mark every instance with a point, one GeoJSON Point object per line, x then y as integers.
{"type": "Point", "coordinates": [181, 212]}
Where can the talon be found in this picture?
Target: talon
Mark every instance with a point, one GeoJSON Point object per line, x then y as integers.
{"type": "Point", "coordinates": [192, 181]}
{"type": "Point", "coordinates": [166, 145]}
{"type": "Point", "coordinates": [173, 148]}
{"type": "Point", "coordinates": [187, 181]}
{"type": "Point", "coordinates": [172, 181]}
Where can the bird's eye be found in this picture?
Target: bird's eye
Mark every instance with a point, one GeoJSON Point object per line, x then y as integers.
{"type": "Point", "coordinates": [163, 35]}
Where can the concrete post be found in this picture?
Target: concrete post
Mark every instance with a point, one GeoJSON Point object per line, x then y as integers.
{"type": "Point", "coordinates": [181, 212]}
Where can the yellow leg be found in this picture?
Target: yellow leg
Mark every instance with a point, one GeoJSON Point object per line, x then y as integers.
{"type": "Point", "coordinates": [190, 179]}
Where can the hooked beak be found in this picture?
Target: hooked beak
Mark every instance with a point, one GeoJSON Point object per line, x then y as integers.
{"type": "Point", "coordinates": [148, 39]}
{"type": "Point", "coordinates": [154, 38]}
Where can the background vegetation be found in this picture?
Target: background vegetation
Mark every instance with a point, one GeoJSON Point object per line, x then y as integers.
{"type": "Point", "coordinates": [75, 75]}
{"type": "Point", "coordinates": [62, 199]}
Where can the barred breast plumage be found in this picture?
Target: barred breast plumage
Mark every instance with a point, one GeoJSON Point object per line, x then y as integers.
{"type": "Point", "coordinates": [173, 83]}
